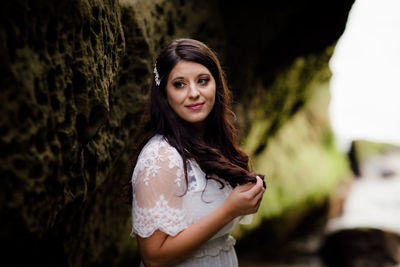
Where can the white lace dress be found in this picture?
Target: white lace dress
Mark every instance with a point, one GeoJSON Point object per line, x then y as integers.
{"type": "Point", "coordinates": [160, 202]}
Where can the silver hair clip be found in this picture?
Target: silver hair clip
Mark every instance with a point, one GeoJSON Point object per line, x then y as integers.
{"type": "Point", "coordinates": [156, 76]}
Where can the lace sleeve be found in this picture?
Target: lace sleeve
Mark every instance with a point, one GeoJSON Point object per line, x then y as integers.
{"type": "Point", "coordinates": [158, 187]}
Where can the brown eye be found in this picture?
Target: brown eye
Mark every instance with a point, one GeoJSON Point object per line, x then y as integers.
{"type": "Point", "coordinates": [204, 81]}
{"type": "Point", "coordinates": [179, 84]}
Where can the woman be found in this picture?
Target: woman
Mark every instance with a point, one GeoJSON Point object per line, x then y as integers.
{"type": "Point", "coordinates": [191, 183]}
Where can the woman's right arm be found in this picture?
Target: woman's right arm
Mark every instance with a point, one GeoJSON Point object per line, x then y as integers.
{"type": "Point", "coordinates": [161, 249]}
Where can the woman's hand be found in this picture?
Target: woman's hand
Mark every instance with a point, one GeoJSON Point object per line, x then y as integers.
{"type": "Point", "coordinates": [244, 199]}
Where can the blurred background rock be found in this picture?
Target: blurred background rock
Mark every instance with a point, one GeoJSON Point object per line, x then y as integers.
{"type": "Point", "coordinates": [74, 80]}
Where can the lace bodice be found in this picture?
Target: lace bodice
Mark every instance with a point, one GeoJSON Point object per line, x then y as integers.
{"type": "Point", "coordinates": [160, 198]}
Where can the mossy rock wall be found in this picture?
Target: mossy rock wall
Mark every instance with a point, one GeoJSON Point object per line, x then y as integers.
{"type": "Point", "coordinates": [301, 162]}
{"type": "Point", "coordinates": [74, 79]}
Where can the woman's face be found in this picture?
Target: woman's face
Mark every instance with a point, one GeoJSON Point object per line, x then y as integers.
{"type": "Point", "coordinates": [191, 91]}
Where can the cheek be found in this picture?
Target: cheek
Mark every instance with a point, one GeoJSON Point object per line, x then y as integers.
{"type": "Point", "coordinates": [213, 91]}
{"type": "Point", "coordinates": [175, 99]}
{"type": "Point", "coordinates": [212, 96]}
{"type": "Point", "coordinates": [171, 97]}
{"type": "Point", "coordinates": [169, 100]}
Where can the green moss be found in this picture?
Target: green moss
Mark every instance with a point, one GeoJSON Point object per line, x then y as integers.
{"type": "Point", "coordinates": [301, 164]}
{"type": "Point", "coordinates": [256, 133]}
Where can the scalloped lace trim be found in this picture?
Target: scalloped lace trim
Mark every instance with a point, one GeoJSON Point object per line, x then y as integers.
{"type": "Point", "coordinates": [168, 220]}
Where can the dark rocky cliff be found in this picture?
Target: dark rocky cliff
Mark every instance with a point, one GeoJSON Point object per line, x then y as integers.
{"type": "Point", "coordinates": [74, 77]}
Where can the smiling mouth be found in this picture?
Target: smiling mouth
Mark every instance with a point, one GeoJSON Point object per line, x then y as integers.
{"type": "Point", "coordinates": [195, 106]}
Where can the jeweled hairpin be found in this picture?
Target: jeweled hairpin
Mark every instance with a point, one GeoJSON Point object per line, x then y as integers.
{"type": "Point", "coordinates": [156, 77]}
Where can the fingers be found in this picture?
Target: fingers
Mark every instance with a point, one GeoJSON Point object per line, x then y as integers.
{"type": "Point", "coordinates": [259, 197]}
{"type": "Point", "coordinates": [245, 187]}
{"type": "Point", "coordinates": [256, 189]}
{"type": "Point", "coordinates": [257, 201]}
{"type": "Point", "coordinates": [246, 199]}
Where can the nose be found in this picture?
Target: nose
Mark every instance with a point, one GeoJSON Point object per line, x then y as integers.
{"type": "Point", "coordinates": [193, 91]}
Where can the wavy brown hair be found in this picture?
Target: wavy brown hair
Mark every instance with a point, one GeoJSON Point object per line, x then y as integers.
{"type": "Point", "coordinates": [218, 152]}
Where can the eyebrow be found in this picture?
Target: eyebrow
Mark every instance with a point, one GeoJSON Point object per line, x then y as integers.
{"type": "Point", "coordinates": [181, 77]}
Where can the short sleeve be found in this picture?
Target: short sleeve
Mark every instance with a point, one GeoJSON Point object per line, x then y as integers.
{"type": "Point", "coordinates": [158, 188]}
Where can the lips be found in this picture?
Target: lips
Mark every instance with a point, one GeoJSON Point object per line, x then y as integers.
{"type": "Point", "coordinates": [195, 106]}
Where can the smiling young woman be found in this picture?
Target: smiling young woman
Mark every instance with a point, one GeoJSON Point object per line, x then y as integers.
{"type": "Point", "coordinates": [190, 183]}
{"type": "Point", "coordinates": [191, 92]}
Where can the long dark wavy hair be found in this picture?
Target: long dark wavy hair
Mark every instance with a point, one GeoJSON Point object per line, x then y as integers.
{"type": "Point", "coordinates": [218, 152]}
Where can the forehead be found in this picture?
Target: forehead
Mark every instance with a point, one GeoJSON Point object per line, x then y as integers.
{"type": "Point", "coordinates": [187, 69]}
